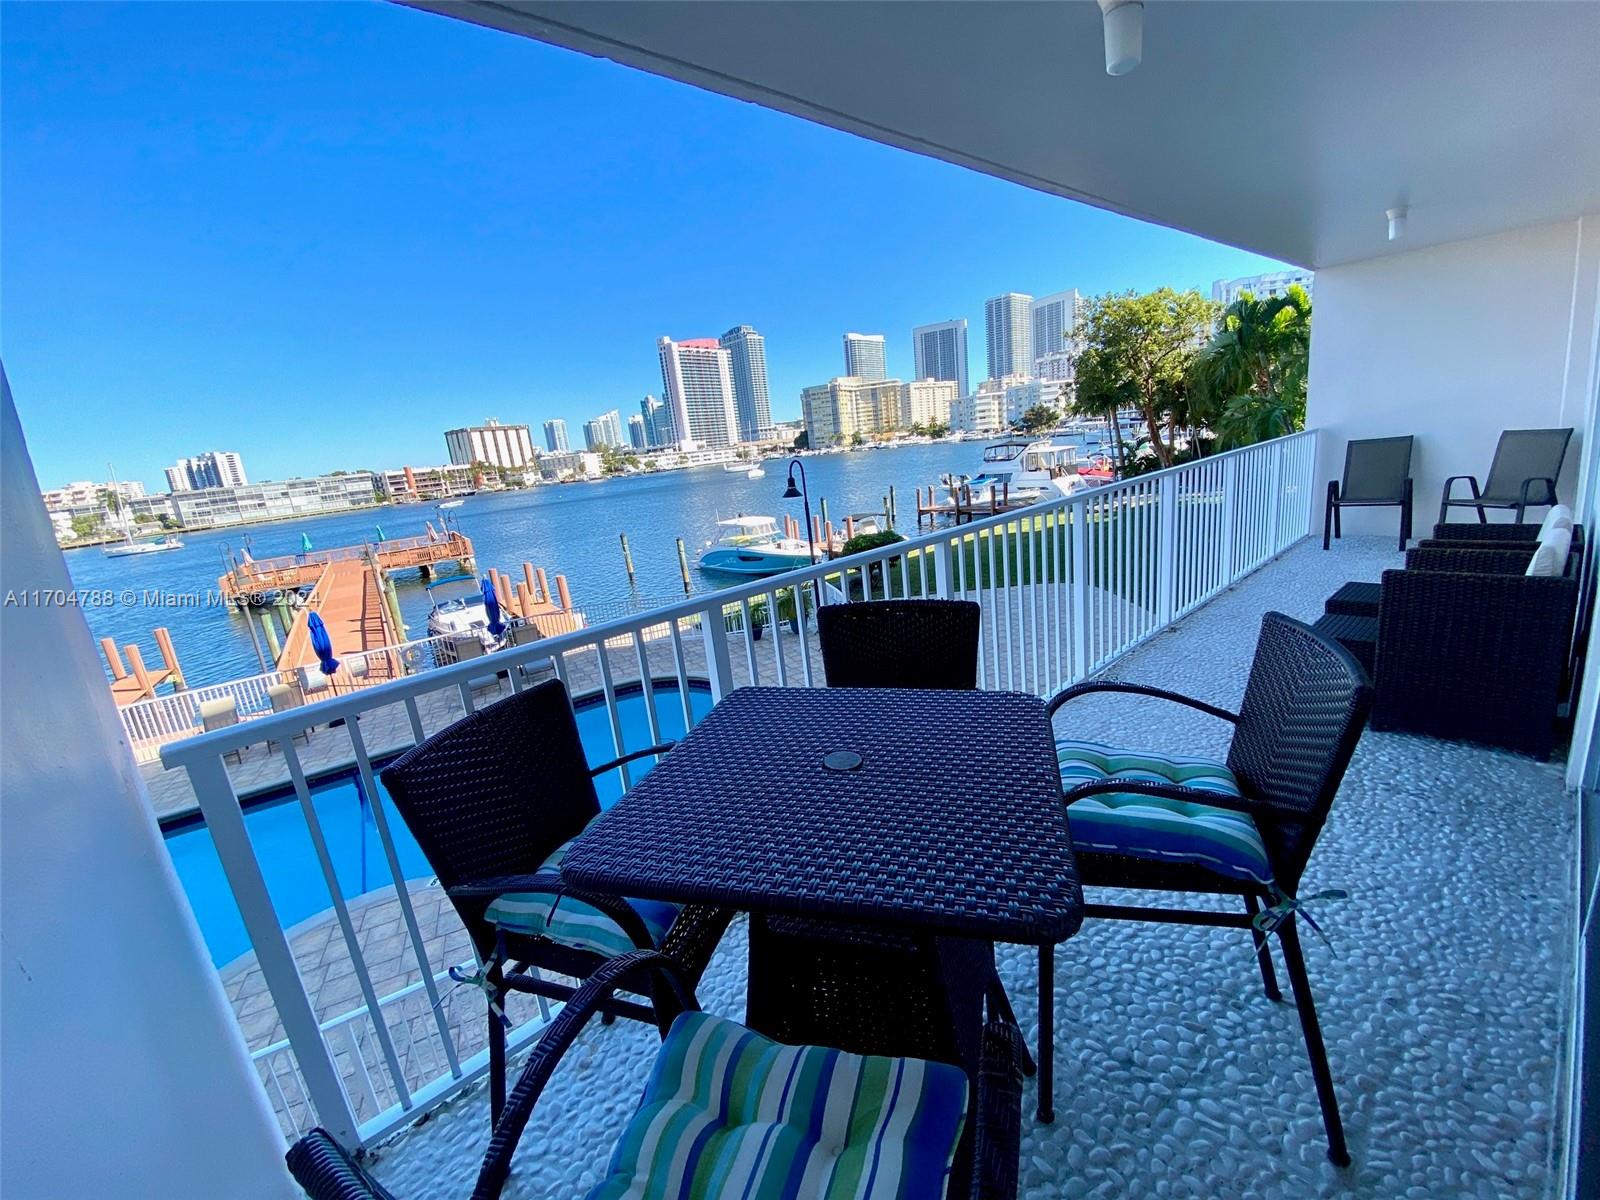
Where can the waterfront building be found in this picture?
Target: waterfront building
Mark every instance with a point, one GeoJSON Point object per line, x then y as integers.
{"type": "Point", "coordinates": [214, 468]}
{"type": "Point", "coordinates": [491, 443]}
{"type": "Point", "coordinates": [657, 422]}
{"type": "Point", "coordinates": [864, 357]}
{"type": "Point", "coordinates": [638, 434]}
{"type": "Point", "coordinates": [209, 508]}
{"type": "Point", "coordinates": [85, 495]}
{"type": "Point", "coordinates": [427, 483]}
{"type": "Point", "coordinates": [927, 402]}
{"type": "Point", "coordinates": [840, 409]}
{"type": "Point", "coordinates": [697, 375]}
{"type": "Point", "coordinates": [1008, 330]}
{"type": "Point", "coordinates": [1054, 328]}
{"type": "Point", "coordinates": [747, 359]}
{"type": "Point", "coordinates": [940, 351]}
{"type": "Point", "coordinates": [605, 430]}
{"type": "Point", "coordinates": [984, 408]}
{"type": "Point", "coordinates": [1262, 287]}
{"type": "Point", "coordinates": [555, 436]}
{"type": "Point", "coordinates": [570, 464]}
{"type": "Point", "coordinates": [1023, 393]}
{"type": "Point", "coordinates": [674, 459]}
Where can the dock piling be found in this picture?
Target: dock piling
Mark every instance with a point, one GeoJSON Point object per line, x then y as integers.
{"type": "Point", "coordinates": [140, 673]}
{"type": "Point", "coordinates": [627, 559]}
{"type": "Point", "coordinates": [683, 566]}
{"type": "Point", "coordinates": [271, 631]}
{"type": "Point", "coordinates": [113, 659]}
{"type": "Point", "coordinates": [543, 594]}
{"type": "Point", "coordinates": [169, 657]}
{"type": "Point", "coordinates": [527, 578]}
{"type": "Point", "coordinates": [561, 591]}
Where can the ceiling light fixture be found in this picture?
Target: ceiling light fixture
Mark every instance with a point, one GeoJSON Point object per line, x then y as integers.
{"type": "Point", "coordinates": [1124, 22]}
{"type": "Point", "coordinates": [1397, 221]}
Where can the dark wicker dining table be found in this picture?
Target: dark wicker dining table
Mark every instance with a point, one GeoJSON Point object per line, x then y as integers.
{"type": "Point", "coordinates": [882, 841]}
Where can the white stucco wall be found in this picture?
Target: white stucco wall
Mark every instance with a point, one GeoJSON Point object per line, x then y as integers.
{"type": "Point", "coordinates": [122, 1071]}
{"type": "Point", "coordinates": [1454, 344]}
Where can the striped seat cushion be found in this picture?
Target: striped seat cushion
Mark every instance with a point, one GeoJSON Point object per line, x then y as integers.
{"type": "Point", "coordinates": [729, 1113]}
{"type": "Point", "coordinates": [1219, 839]}
{"type": "Point", "coordinates": [572, 922]}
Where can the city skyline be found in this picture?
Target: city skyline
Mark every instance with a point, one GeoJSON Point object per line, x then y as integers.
{"type": "Point", "coordinates": [420, 316]}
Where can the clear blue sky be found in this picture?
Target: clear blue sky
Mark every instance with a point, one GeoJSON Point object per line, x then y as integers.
{"type": "Point", "coordinates": [321, 234]}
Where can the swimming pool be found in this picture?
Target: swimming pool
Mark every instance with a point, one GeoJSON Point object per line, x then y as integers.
{"type": "Point", "coordinates": [282, 841]}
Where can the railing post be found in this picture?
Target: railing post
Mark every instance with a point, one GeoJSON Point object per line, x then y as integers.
{"type": "Point", "coordinates": [719, 663]}
{"type": "Point", "coordinates": [1080, 590]}
{"type": "Point", "coordinates": [208, 775]}
{"type": "Point", "coordinates": [1277, 495]}
{"type": "Point", "coordinates": [944, 580]}
{"type": "Point", "coordinates": [1230, 501]}
{"type": "Point", "coordinates": [1167, 550]}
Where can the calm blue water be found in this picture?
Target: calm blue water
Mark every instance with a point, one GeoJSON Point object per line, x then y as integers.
{"type": "Point", "coordinates": [282, 841]}
{"type": "Point", "coordinates": [571, 529]}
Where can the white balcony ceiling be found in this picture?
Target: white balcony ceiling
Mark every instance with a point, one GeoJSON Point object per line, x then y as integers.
{"type": "Point", "coordinates": [1283, 128]}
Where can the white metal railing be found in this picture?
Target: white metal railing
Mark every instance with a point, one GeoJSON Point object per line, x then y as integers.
{"type": "Point", "coordinates": [1066, 586]}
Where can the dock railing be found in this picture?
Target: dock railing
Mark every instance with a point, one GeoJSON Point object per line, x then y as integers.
{"type": "Point", "coordinates": [1066, 587]}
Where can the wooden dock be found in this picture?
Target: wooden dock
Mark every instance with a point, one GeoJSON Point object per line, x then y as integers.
{"type": "Point", "coordinates": [254, 580]}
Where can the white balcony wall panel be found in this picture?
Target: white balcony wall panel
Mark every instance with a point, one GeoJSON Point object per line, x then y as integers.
{"type": "Point", "coordinates": [124, 1072]}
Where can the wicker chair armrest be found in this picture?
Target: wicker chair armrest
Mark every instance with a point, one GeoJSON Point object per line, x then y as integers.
{"type": "Point", "coordinates": [658, 748]}
{"type": "Point", "coordinates": [1471, 531]}
{"type": "Point", "coordinates": [671, 999]}
{"type": "Point", "coordinates": [325, 1171]}
{"type": "Point", "coordinates": [1135, 689]}
{"type": "Point", "coordinates": [997, 1126]}
{"type": "Point", "coordinates": [1456, 559]}
{"type": "Point", "coordinates": [1167, 791]}
{"type": "Point", "coordinates": [553, 884]}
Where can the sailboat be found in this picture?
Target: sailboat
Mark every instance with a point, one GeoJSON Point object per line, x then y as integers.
{"type": "Point", "coordinates": [129, 547]}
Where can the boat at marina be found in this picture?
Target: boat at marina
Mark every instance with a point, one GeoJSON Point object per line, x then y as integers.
{"type": "Point", "coordinates": [129, 547]}
{"type": "Point", "coordinates": [460, 613]}
{"type": "Point", "coordinates": [451, 504]}
{"type": "Point", "coordinates": [1029, 469]}
{"type": "Point", "coordinates": [753, 546]}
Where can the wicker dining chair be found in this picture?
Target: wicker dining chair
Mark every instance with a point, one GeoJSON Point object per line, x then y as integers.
{"type": "Point", "coordinates": [900, 643]}
{"type": "Point", "coordinates": [1244, 827]}
{"type": "Point", "coordinates": [1377, 474]}
{"type": "Point", "coordinates": [882, 1128]}
{"type": "Point", "coordinates": [1523, 474]}
{"type": "Point", "coordinates": [494, 801]}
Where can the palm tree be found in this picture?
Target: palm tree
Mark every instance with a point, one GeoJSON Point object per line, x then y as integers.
{"type": "Point", "coordinates": [1249, 382]}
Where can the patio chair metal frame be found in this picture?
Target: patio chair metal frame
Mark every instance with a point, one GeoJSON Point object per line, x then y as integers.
{"type": "Point", "coordinates": [901, 643]}
{"type": "Point", "coordinates": [327, 1172]}
{"type": "Point", "coordinates": [1305, 705]}
{"type": "Point", "coordinates": [488, 799]}
{"type": "Point", "coordinates": [1502, 487]}
{"type": "Point", "coordinates": [1348, 492]}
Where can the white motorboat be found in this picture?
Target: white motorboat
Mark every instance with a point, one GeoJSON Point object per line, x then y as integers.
{"type": "Point", "coordinates": [451, 504]}
{"type": "Point", "coordinates": [752, 546]}
{"type": "Point", "coordinates": [1027, 469]}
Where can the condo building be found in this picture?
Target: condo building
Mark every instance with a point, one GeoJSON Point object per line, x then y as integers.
{"type": "Point", "coordinates": [940, 351]}
{"type": "Point", "coordinates": [491, 443]}
{"type": "Point", "coordinates": [697, 376]}
{"type": "Point", "coordinates": [747, 361]}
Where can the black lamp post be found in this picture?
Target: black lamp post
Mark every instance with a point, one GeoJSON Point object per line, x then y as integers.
{"type": "Point", "coordinates": [802, 493]}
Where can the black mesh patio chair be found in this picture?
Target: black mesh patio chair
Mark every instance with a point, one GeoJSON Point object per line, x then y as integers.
{"type": "Point", "coordinates": [900, 643]}
{"type": "Point", "coordinates": [1527, 463]}
{"type": "Point", "coordinates": [666, 1144]}
{"type": "Point", "coordinates": [1377, 474]}
{"type": "Point", "coordinates": [1244, 827]}
{"type": "Point", "coordinates": [494, 800]}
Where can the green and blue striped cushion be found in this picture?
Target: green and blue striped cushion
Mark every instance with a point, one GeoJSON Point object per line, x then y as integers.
{"type": "Point", "coordinates": [1218, 839]}
{"type": "Point", "coordinates": [572, 922]}
{"type": "Point", "coordinates": [729, 1113]}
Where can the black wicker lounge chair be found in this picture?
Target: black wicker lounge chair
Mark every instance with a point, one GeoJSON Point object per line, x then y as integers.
{"type": "Point", "coordinates": [1471, 648]}
{"type": "Point", "coordinates": [900, 643]}
{"type": "Point", "coordinates": [1133, 824]}
{"type": "Point", "coordinates": [1527, 463]}
{"type": "Point", "coordinates": [1377, 474]}
{"type": "Point", "coordinates": [493, 801]}
{"type": "Point", "coordinates": [920, 1102]}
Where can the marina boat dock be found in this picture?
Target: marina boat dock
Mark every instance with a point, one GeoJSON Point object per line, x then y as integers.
{"type": "Point", "coordinates": [257, 581]}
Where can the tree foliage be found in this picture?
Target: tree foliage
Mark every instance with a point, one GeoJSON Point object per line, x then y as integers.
{"type": "Point", "coordinates": [1137, 352]}
{"type": "Point", "coordinates": [1249, 382]}
{"type": "Point", "coordinates": [1039, 417]}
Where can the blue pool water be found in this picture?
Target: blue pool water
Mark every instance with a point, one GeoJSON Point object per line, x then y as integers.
{"type": "Point", "coordinates": [282, 840]}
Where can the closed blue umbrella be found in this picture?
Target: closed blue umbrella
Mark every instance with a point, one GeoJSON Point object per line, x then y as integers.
{"type": "Point", "coordinates": [305, 543]}
{"type": "Point", "coordinates": [491, 605]}
{"type": "Point", "coordinates": [379, 530]}
{"type": "Point", "coordinates": [322, 644]}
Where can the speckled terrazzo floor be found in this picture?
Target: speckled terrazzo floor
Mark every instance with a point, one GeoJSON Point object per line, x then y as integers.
{"type": "Point", "coordinates": [1443, 998]}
